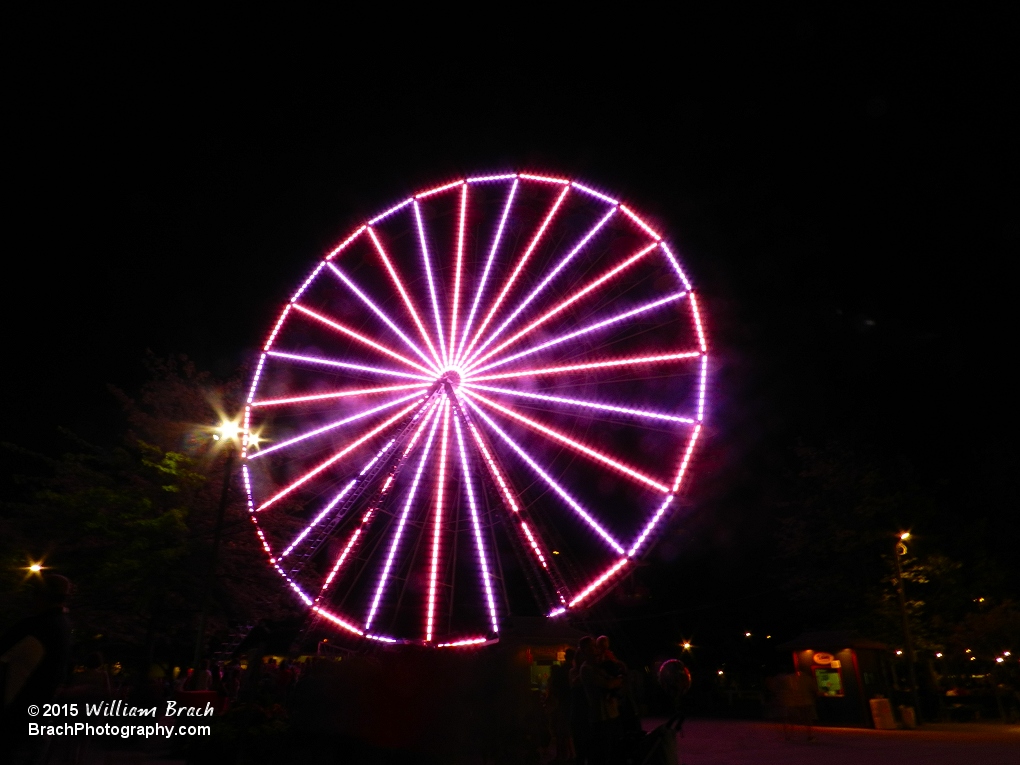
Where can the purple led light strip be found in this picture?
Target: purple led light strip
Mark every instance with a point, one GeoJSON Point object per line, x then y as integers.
{"type": "Point", "coordinates": [563, 263]}
{"type": "Point", "coordinates": [573, 503]}
{"type": "Point", "coordinates": [382, 315]}
{"type": "Point", "coordinates": [583, 331]}
{"type": "Point", "coordinates": [403, 520]}
{"type": "Point", "coordinates": [488, 265]}
{"type": "Point", "coordinates": [432, 284]}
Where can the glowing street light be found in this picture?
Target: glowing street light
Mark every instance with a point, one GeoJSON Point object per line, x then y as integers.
{"type": "Point", "coordinates": [901, 549]}
{"type": "Point", "coordinates": [228, 434]}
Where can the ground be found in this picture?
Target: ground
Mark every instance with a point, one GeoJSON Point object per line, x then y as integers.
{"type": "Point", "coordinates": [738, 742]}
{"type": "Point", "coordinates": [730, 742]}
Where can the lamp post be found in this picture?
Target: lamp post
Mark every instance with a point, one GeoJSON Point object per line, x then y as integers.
{"type": "Point", "coordinates": [227, 434]}
{"type": "Point", "coordinates": [901, 549]}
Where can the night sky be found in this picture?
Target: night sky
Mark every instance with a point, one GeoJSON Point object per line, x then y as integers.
{"type": "Point", "coordinates": [841, 189]}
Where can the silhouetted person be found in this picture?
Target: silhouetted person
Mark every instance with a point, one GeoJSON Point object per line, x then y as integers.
{"type": "Point", "coordinates": [580, 722]}
{"type": "Point", "coordinates": [558, 705]}
{"type": "Point", "coordinates": [34, 655]}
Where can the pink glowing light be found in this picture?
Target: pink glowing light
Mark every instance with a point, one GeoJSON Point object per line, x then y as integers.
{"type": "Point", "coordinates": [345, 243]}
{"type": "Point", "coordinates": [464, 359]}
{"type": "Point", "coordinates": [542, 178]}
{"type": "Point", "coordinates": [648, 229]}
{"type": "Point", "coordinates": [403, 522]}
{"type": "Point", "coordinates": [575, 445]}
{"type": "Point", "coordinates": [361, 338]}
{"type": "Point", "coordinates": [438, 189]}
{"type": "Point", "coordinates": [333, 503]}
{"type": "Point", "coordinates": [520, 265]}
{"type": "Point", "coordinates": [564, 304]}
{"type": "Point", "coordinates": [640, 413]}
{"type": "Point", "coordinates": [650, 525]}
{"type": "Point", "coordinates": [534, 544]}
{"type": "Point", "coordinates": [308, 281]}
{"type": "Point", "coordinates": [381, 314]}
{"type": "Point", "coordinates": [338, 456]}
{"type": "Point", "coordinates": [491, 178]}
{"type": "Point", "coordinates": [343, 556]}
{"type": "Point", "coordinates": [336, 620]}
{"type": "Point", "coordinates": [676, 266]}
{"type": "Point", "coordinates": [585, 330]}
{"type": "Point", "coordinates": [563, 493]}
{"type": "Point", "coordinates": [437, 523]}
{"type": "Point", "coordinates": [347, 365]}
{"type": "Point", "coordinates": [339, 394]}
{"type": "Point", "coordinates": [483, 563]}
{"type": "Point", "coordinates": [563, 263]}
{"type": "Point", "coordinates": [315, 522]}
{"type": "Point", "coordinates": [388, 213]}
{"type": "Point", "coordinates": [701, 388]}
{"type": "Point", "coordinates": [686, 460]}
{"type": "Point", "coordinates": [334, 425]}
{"type": "Point", "coordinates": [508, 495]}
{"type": "Point", "coordinates": [587, 591]}
{"type": "Point", "coordinates": [596, 194]}
{"type": "Point", "coordinates": [697, 324]}
{"type": "Point", "coordinates": [403, 294]}
{"type": "Point", "coordinates": [488, 266]}
{"type": "Point", "coordinates": [464, 642]}
{"type": "Point", "coordinates": [276, 329]}
{"type": "Point", "coordinates": [626, 361]}
{"type": "Point", "coordinates": [454, 312]}
{"type": "Point", "coordinates": [432, 283]}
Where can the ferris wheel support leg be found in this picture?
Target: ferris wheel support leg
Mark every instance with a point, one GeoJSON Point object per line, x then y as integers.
{"type": "Point", "coordinates": [544, 578]}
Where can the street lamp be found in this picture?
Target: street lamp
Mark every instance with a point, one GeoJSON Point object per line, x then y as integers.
{"type": "Point", "coordinates": [227, 435]}
{"type": "Point", "coordinates": [901, 549]}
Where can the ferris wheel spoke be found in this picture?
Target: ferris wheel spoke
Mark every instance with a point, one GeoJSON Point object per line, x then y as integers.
{"type": "Point", "coordinates": [572, 503]}
{"type": "Point", "coordinates": [577, 446]}
{"type": "Point", "coordinates": [338, 456]}
{"type": "Point", "coordinates": [454, 312]}
{"type": "Point", "coordinates": [314, 397]}
{"type": "Point", "coordinates": [372, 511]}
{"type": "Point", "coordinates": [615, 409]}
{"type": "Point", "coordinates": [563, 263]}
{"type": "Point", "coordinates": [384, 575]}
{"type": "Point", "coordinates": [319, 361]}
{"type": "Point", "coordinates": [677, 482]}
{"type": "Point", "coordinates": [585, 330]}
{"type": "Point", "coordinates": [382, 315]}
{"type": "Point", "coordinates": [334, 425]}
{"type": "Point", "coordinates": [480, 289]}
{"type": "Point", "coordinates": [599, 581]}
{"type": "Point", "coordinates": [483, 561]}
{"type": "Point", "coordinates": [333, 324]}
{"type": "Point", "coordinates": [437, 522]}
{"type": "Point", "coordinates": [432, 285]}
{"type": "Point", "coordinates": [335, 501]}
{"type": "Point", "coordinates": [517, 512]}
{"type": "Point", "coordinates": [564, 304]}
{"type": "Point", "coordinates": [625, 361]}
{"type": "Point", "coordinates": [395, 277]}
{"type": "Point", "coordinates": [517, 269]}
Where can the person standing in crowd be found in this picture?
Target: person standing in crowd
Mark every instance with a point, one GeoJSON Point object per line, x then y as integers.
{"type": "Point", "coordinates": [558, 706]}
{"type": "Point", "coordinates": [34, 656]}
{"type": "Point", "coordinates": [603, 706]}
{"type": "Point", "coordinates": [580, 716]}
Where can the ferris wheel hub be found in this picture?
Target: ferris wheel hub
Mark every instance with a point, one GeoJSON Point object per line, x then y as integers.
{"type": "Point", "coordinates": [452, 376]}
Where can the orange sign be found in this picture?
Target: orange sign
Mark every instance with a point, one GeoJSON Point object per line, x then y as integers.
{"type": "Point", "coordinates": [822, 658]}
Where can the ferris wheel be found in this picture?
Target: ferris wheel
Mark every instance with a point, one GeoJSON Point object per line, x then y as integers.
{"type": "Point", "coordinates": [496, 385]}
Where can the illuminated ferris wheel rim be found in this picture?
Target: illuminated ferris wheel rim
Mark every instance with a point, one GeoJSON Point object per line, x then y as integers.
{"type": "Point", "coordinates": [446, 379]}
